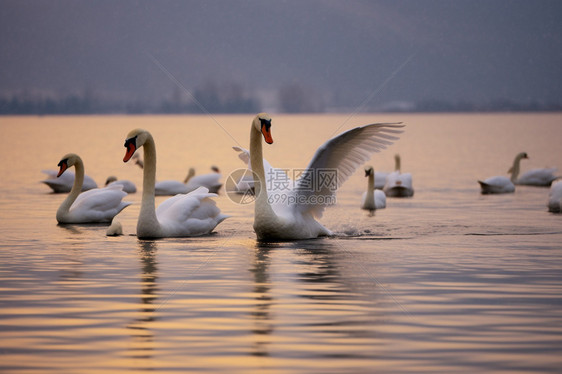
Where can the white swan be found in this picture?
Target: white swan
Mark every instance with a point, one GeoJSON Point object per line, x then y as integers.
{"type": "Point", "coordinates": [398, 184]}
{"type": "Point", "coordinates": [501, 184]}
{"type": "Point", "coordinates": [291, 213]}
{"type": "Point", "coordinates": [535, 177]}
{"type": "Point", "coordinates": [191, 182]}
{"type": "Point", "coordinates": [92, 206]}
{"type": "Point", "coordinates": [192, 214]}
{"type": "Point", "coordinates": [372, 199]}
{"type": "Point", "coordinates": [64, 183]}
{"type": "Point", "coordinates": [555, 198]}
{"type": "Point", "coordinates": [128, 186]}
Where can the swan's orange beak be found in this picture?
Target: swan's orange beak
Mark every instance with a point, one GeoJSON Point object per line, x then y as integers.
{"type": "Point", "coordinates": [131, 148]}
{"type": "Point", "coordinates": [267, 134]}
{"type": "Point", "coordinates": [63, 166]}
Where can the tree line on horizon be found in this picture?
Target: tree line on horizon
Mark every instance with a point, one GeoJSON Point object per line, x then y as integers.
{"type": "Point", "coordinates": [232, 98]}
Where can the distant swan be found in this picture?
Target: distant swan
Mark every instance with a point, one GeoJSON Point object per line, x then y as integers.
{"type": "Point", "coordinates": [555, 198]}
{"type": "Point", "coordinates": [372, 199]}
{"type": "Point", "coordinates": [191, 214]}
{"type": "Point", "coordinates": [64, 183]}
{"type": "Point", "coordinates": [191, 182]}
{"type": "Point", "coordinates": [536, 177]}
{"type": "Point", "coordinates": [398, 184]}
{"type": "Point", "coordinates": [291, 214]}
{"type": "Point", "coordinates": [128, 186]}
{"type": "Point", "coordinates": [92, 206]}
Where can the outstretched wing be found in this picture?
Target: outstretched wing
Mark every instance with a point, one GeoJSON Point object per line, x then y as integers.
{"type": "Point", "coordinates": [336, 160]}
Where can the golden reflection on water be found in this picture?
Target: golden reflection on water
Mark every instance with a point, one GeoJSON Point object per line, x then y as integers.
{"type": "Point", "coordinates": [446, 281]}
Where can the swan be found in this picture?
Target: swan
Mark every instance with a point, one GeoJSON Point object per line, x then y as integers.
{"type": "Point", "coordinates": [291, 213]}
{"type": "Point", "coordinates": [115, 229]}
{"type": "Point", "coordinates": [555, 198]}
{"type": "Point", "coordinates": [191, 214]}
{"type": "Point", "coordinates": [64, 183]}
{"type": "Point", "coordinates": [128, 186]}
{"type": "Point", "coordinates": [535, 177]}
{"type": "Point", "coordinates": [92, 206]}
{"type": "Point", "coordinates": [398, 184]}
{"type": "Point", "coordinates": [372, 199]}
{"type": "Point", "coordinates": [190, 183]}
{"type": "Point", "coordinates": [501, 184]}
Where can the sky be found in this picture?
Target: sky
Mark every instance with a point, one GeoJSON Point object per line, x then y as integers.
{"type": "Point", "coordinates": [350, 53]}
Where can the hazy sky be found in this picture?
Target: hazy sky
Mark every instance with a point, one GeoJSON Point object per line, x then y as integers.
{"type": "Point", "coordinates": [474, 50]}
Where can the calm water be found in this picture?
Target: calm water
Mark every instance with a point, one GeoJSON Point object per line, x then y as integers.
{"type": "Point", "coordinates": [447, 281]}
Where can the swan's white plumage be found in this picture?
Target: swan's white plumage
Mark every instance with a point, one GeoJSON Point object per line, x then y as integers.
{"type": "Point", "coordinates": [398, 184]}
{"type": "Point", "coordinates": [64, 183]}
{"type": "Point", "coordinates": [372, 199]}
{"type": "Point", "coordinates": [555, 198]}
{"type": "Point", "coordinates": [191, 214]}
{"type": "Point", "coordinates": [93, 206]}
{"type": "Point", "coordinates": [538, 177]}
{"type": "Point", "coordinates": [497, 185]}
{"type": "Point", "coordinates": [192, 182]}
{"type": "Point", "coordinates": [295, 213]}
{"type": "Point", "coordinates": [128, 186]}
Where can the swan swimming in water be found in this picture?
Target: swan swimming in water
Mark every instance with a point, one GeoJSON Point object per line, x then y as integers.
{"type": "Point", "coordinates": [191, 214]}
{"type": "Point", "coordinates": [128, 186]}
{"type": "Point", "coordinates": [92, 206]}
{"type": "Point", "coordinates": [372, 199]}
{"type": "Point", "coordinates": [555, 198]}
{"type": "Point", "coordinates": [191, 182]}
{"type": "Point", "coordinates": [542, 177]}
{"type": "Point", "coordinates": [398, 184]}
{"type": "Point", "coordinates": [63, 183]}
{"type": "Point", "coordinates": [292, 213]}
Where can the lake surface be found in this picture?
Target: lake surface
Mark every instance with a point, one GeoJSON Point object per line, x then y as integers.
{"type": "Point", "coordinates": [447, 281]}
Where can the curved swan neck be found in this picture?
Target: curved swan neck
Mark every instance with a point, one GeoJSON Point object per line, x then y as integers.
{"type": "Point", "coordinates": [515, 168]}
{"type": "Point", "coordinates": [148, 209]}
{"type": "Point", "coordinates": [75, 191]}
{"type": "Point", "coordinates": [397, 163]}
{"type": "Point", "coordinates": [256, 161]}
{"type": "Point", "coordinates": [371, 183]}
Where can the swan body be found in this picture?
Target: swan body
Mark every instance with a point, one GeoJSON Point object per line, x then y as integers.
{"type": "Point", "coordinates": [501, 184]}
{"type": "Point", "coordinates": [538, 177]}
{"type": "Point", "coordinates": [290, 213]}
{"type": "Point", "coordinates": [128, 186]}
{"type": "Point", "coordinates": [172, 187]}
{"type": "Point", "coordinates": [555, 198]}
{"type": "Point", "coordinates": [115, 229]}
{"type": "Point", "coordinates": [191, 214]}
{"type": "Point", "coordinates": [496, 185]}
{"type": "Point", "coordinates": [64, 183]}
{"type": "Point", "coordinates": [92, 206]}
{"type": "Point", "coordinates": [398, 184]}
{"type": "Point", "coordinates": [373, 199]}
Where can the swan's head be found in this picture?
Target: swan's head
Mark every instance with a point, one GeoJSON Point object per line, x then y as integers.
{"type": "Point", "coordinates": [135, 140]}
{"type": "Point", "coordinates": [522, 155]}
{"type": "Point", "coordinates": [67, 161]}
{"type": "Point", "coordinates": [110, 179]}
{"type": "Point", "coordinates": [262, 123]}
{"type": "Point", "coordinates": [369, 171]}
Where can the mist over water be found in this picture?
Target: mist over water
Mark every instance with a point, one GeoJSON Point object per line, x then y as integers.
{"type": "Point", "coordinates": [446, 281]}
